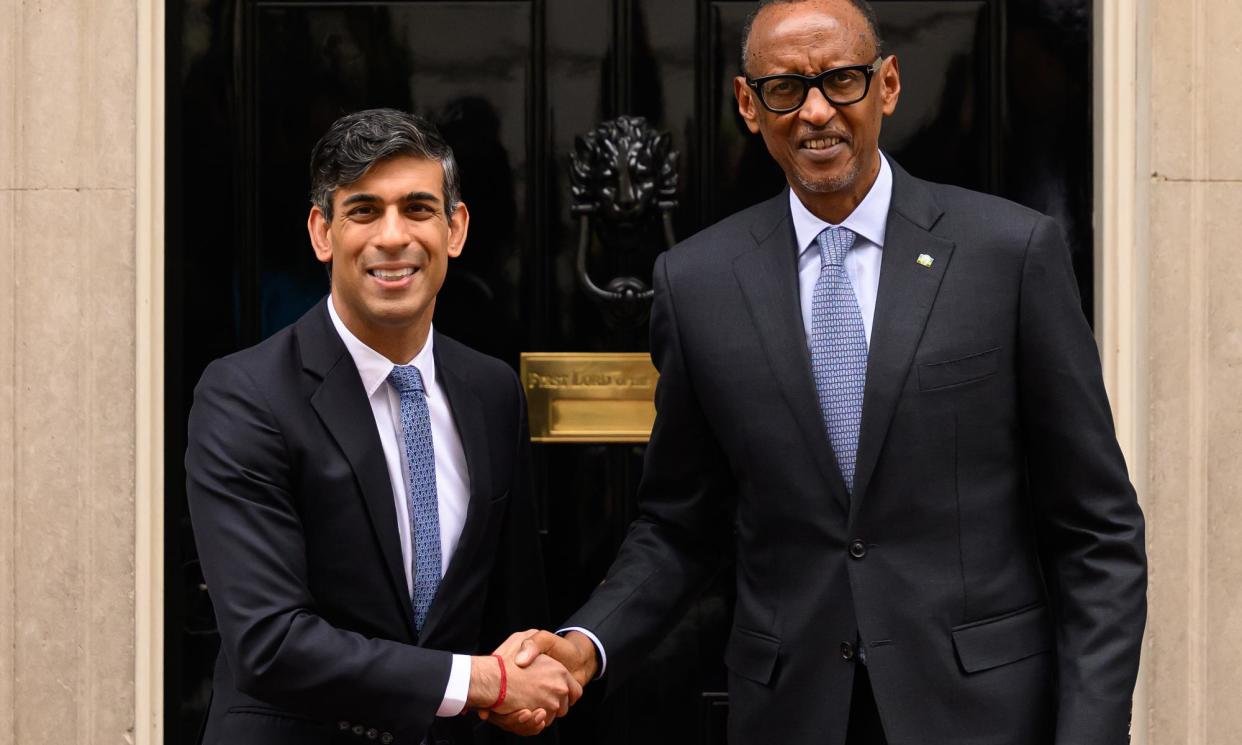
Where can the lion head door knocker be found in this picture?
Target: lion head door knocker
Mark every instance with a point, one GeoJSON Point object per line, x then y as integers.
{"type": "Point", "coordinates": [623, 176]}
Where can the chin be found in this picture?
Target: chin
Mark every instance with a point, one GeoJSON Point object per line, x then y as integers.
{"type": "Point", "coordinates": [842, 178]}
{"type": "Point", "coordinates": [392, 316]}
{"type": "Point", "coordinates": [827, 183]}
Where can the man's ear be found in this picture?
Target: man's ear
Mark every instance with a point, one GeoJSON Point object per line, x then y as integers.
{"type": "Point", "coordinates": [317, 225]}
{"type": "Point", "coordinates": [459, 225]}
{"type": "Point", "coordinates": [747, 106]}
{"type": "Point", "coordinates": [890, 84]}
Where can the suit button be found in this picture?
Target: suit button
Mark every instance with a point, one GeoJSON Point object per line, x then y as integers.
{"type": "Point", "coordinates": [342, 725]}
{"type": "Point", "coordinates": [359, 729]}
{"type": "Point", "coordinates": [858, 549]}
{"type": "Point", "coordinates": [372, 733]}
{"type": "Point", "coordinates": [386, 738]}
{"type": "Point", "coordinates": [847, 651]}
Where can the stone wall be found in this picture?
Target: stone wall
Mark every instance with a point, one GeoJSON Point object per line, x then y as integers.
{"type": "Point", "coordinates": [67, 201]}
{"type": "Point", "coordinates": [1193, 479]}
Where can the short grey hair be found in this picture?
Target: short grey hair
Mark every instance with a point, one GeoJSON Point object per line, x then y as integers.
{"type": "Point", "coordinates": [864, 7]}
{"type": "Point", "coordinates": [357, 141]}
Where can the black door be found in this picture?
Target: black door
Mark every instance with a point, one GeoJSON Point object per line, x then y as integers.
{"type": "Point", "coordinates": [996, 96]}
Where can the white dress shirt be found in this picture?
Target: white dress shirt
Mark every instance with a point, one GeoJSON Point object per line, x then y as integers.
{"type": "Point", "coordinates": [869, 221]}
{"type": "Point", "coordinates": [862, 263]}
{"type": "Point", "coordinates": [452, 476]}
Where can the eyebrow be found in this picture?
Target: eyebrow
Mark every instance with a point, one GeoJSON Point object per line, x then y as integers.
{"type": "Point", "coordinates": [422, 196]}
{"type": "Point", "coordinates": [414, 196]}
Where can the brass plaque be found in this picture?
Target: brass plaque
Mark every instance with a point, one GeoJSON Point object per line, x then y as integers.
{"type": "Point", "coordinates": [601, 397]}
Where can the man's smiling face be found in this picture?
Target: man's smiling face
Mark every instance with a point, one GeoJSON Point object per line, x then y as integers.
{"type": "Point", "coordinates": [389, 242]}
{"type": "Point", "coordinates": [830, 154]}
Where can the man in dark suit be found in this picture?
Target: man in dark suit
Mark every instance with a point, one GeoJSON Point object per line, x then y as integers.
{"type": "Point", "coordinates": [358, 483]}
{"type": "Point", "coordinates": [883, 392]}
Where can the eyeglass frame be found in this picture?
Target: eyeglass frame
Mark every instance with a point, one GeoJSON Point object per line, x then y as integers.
{"type": "Point", "coordinates": [807, 81]}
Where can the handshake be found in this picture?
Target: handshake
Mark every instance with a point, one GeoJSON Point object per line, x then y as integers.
{"type": "Point", "coordinates": [531, 679]}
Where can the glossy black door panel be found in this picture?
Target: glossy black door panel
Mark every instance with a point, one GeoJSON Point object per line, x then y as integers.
{"type": "Point", "coordinates": [313, 62]}
{"type": "Point", "coordinates": [950, 108]}
{"type": "Point", "coordinates": [996, 96]}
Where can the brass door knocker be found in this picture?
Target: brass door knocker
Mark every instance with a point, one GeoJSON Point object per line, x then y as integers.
{"type": "Point", "coordinates": [623, 177]}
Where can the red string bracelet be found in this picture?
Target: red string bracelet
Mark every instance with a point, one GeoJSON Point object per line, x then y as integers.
{"type": "Point", "coordinates": [504, 683]}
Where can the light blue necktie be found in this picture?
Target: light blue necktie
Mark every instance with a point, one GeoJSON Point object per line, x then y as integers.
{"type": "Point", "coordinates": [838, 350]}
{"type": "Point", "coordinates": [420, 486]}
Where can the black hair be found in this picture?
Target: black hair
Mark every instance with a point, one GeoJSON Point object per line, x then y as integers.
{"type": "Point", "coordinates": [357, 141]}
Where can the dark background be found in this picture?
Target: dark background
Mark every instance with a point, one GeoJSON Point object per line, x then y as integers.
{"type": "Point", "coordinates": [996, 97]}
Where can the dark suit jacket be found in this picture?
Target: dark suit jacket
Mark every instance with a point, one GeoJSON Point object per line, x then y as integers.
{"type": "Point", "coordinates": [991, 559]}
{"type": "Point", "coordinates": [294, 520]}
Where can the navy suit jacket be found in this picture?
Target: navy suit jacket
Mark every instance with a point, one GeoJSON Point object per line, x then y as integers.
{"type": "Point", "coordinates": [294, 520]}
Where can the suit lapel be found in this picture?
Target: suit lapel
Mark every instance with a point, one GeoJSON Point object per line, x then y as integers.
{"type": "Point", "coordinates": [907, 292]}
{"type": "Point", "coordinates": [768, 276]}
{"type": "Point", "coordinates": [342, 406]}
{"type": "Point", "coordinates": [470, 418]}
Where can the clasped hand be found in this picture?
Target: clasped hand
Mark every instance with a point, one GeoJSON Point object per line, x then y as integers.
{"type": "Point", "coordinates": [546, 674]}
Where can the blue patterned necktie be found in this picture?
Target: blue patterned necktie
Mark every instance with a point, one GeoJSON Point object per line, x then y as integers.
{"type": "Point", "coordinates": [420, 486]}
{"type": "Point", "coordinates": [838, 350]}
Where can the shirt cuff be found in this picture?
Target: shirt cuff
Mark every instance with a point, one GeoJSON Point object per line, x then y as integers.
{"type": "Point", "coordinates": [599, 647]}
{"type": "Point", "coordinates": [458, 688]}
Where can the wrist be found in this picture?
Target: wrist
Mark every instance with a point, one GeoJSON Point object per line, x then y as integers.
{"type": "Point", "coordinates": [504, 683]}
{"type": "Point", "coordinates": [588, 661]}
{"type": "Point", "coordinates": [484, 682]}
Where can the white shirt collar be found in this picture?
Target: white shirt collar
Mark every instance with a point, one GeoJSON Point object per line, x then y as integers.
{"type": "Point", "coordinates": [869, 220]}
{"type": "Point", "coordinates": [374, 367]}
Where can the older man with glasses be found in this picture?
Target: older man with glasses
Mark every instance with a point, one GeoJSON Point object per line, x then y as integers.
{"type": "Point", "coordinates": [883, 393]}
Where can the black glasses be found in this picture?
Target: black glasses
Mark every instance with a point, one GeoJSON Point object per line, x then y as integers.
{"type": "Point", "coordinates": [842, 86]}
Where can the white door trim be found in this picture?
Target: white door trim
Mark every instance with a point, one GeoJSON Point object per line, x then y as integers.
{"type": "Point", "coordinates": [1121, 137]}
{"type": "Point", "coordinates": [149, 396]}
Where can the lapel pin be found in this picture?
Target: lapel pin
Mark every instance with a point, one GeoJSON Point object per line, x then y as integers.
{"type": "Point", "coordinates": [925, 260]}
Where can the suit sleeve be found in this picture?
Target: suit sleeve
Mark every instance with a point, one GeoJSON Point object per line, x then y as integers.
{"type": "Point", "coordinates": [1089, 525]}
{"type": "Point", "coordinates": [685, 504]}
{"type": "Point", "coordinates": [250, 540]}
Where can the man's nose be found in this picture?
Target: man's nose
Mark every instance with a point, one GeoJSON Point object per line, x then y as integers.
{"type": "Point", "coordinates": [393, 229]}
{"type": "Point", "coordinates": [816, 110]}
